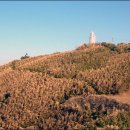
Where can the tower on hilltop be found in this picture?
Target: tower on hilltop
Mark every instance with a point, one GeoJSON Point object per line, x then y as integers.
{"type": "Point", "coordinates": [92, 38]}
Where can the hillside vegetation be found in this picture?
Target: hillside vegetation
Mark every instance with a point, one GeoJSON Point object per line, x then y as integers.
{"type": "Point", "coordinates": [77, 89]}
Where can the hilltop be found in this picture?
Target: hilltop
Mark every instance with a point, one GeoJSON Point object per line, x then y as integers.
{"type": "Point", "coordinates": [78, 89]}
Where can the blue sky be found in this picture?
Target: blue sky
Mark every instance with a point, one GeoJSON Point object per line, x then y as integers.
{"type": "Point", "coordinates": [39, 27]}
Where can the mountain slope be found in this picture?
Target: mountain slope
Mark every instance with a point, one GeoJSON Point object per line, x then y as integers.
{"type": "Point", "coordinates": [67, 90]}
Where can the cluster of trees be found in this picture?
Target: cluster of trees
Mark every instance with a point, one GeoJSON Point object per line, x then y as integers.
{"type": "Point", "coordinates": [25, 57]}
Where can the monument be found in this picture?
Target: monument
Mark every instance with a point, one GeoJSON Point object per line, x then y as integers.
{"type": "Point", "coordinates": [92, 38]}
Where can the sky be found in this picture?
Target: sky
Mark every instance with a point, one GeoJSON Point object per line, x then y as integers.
{"type": "Point", "coordinates": [44, 27]}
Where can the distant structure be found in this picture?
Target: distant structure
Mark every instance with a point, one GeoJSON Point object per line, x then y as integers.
{"type": "Point", "coordinates": [92, 38]}
{"type": "Point", "coordinates": [112, 40]}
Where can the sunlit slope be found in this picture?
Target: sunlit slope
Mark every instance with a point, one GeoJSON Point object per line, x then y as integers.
{"type": "Point", "coordinates": [67, 65]}
{"type": "Point", "coordinates": [105, 67]}
{"type": "Point", "coordinates": [67, 90]}
{"type": "Point", "coordinates": [70, 62]}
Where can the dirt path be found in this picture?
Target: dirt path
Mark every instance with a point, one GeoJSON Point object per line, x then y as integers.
{"type": "Point", "coordinates": [123, 98]}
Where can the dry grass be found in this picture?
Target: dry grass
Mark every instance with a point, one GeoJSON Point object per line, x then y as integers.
{"type": "Point", "coordinates": [67, 90]}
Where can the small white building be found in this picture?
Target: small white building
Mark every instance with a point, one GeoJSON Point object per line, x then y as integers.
{"type": "Point", "coordinates": [92, 38]}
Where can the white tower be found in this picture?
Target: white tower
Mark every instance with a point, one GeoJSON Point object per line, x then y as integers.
{"type": "Point", "coordinates": [92, 38]}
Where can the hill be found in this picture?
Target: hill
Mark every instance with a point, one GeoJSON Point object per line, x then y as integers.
{"type": "Point", "coordinates": [79, 89]}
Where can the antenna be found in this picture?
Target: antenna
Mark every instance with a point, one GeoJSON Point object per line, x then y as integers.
{"type": "Point", "coordinates": [112, 39]}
